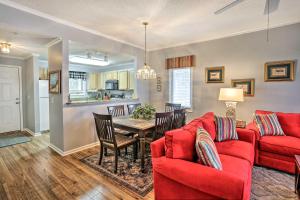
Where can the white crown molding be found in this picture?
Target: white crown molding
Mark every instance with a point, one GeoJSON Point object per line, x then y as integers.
{"type": "Point", "coordinates": [222, 37]}
{"type": "Point", "coordinates": [53, 42]}
{"type": "Point", "coordinates": [65, 153]}
{"type": "Point", "coordinates": [12, 57]}
{"type": "Point", "coordinates": [62, 21]}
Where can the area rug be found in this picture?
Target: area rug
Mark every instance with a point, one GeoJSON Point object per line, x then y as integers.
{"type": "Point", "coordinates": [272, 184]}
{"type": "Point", "coordinates": [12, 138]}
{"type": "Point", "coordinates": [266, 183]}
{"type": "Point", "coordinates": [129, 173]}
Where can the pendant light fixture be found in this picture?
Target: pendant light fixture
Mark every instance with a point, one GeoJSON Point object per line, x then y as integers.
{"type": "Point", "coordinates": [5, 47]}
{"type": "Point", "coordinates": [146, 72]}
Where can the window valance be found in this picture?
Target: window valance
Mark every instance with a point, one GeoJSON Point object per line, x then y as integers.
{"type": "Point", "coordinates": [77, 75]}
{"type": "Point", "coordinates": [180, 62]}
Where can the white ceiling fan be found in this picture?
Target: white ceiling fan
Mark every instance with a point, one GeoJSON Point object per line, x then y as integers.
{"type": "Point", "coordinates": [270, 6]}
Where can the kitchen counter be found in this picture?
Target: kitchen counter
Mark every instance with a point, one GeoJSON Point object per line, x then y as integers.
{"type": "Point", "coordinates": [99, 102]}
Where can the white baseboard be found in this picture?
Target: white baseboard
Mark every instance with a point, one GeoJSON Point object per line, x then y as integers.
{"type": "Point", "coordinates": [31, 132]}
{"type": "Point", "coordinates": [65, 153]}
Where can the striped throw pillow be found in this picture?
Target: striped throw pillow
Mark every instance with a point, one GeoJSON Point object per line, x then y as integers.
{"type": "Point", "coordinates": [206, 150]}
{"type": "Point", "coordinates": [268, 124]}
{"type": "Point", "coordinates": [226, 129]}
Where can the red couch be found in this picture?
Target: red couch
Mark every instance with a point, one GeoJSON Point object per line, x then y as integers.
{"type": "Point", "coordinates": [181, 177]}
{"type": "Point", "coordinates": [278, 151]}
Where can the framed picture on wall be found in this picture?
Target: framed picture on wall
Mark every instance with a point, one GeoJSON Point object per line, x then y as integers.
{"type": "Point", "coordinates": [280, 71]}
{"type": "Point", "coordinates": [247, 85]}
{"type": "Point", "coordinates": [158, 83]}
{"type": "Point", "coordinates": [215, 74]}
{"type": "Point", "coordinates": [55, 82]}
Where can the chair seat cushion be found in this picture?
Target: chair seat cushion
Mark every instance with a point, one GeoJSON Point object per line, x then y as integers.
{"type": "Point", "coordinates": [236, 166]}
{"type": "Point", "coordinates": [122, 141]}
{"type": "Point", "coordinates": [237, 148]}
{"type": "Point", "coordinates": [290, 123]}
{"type": "Point", "coordinates": [122, 132]}
{"type": "Point", "coordinates": [284, 145]}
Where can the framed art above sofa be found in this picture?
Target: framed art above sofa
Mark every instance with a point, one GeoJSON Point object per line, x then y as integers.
{"type": "Point", "coordinates": [280, 71]}
{"type": "Point", "coordinates": [248, 85]}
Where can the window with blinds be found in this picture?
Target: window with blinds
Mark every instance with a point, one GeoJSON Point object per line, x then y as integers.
{"type": "Point", "coordinates": [181, 86]}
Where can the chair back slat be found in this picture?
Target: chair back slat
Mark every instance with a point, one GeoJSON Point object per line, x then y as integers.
{"type": "Point", "coordinates": [172, 106]}
{"type": "Point", "coordinates": [163, 123]}
{"type": "Point", "coordinates": [132, 107]}
{"type": "Point", "coordinates": [179, 118]}
{"type": "Point", "coordinates": [104, 128]}
{"type": "Point", "coordinates": [116, 111]}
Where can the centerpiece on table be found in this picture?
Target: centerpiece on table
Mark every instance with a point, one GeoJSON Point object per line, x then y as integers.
{"type": "Point", "coordinates": [144, 112]}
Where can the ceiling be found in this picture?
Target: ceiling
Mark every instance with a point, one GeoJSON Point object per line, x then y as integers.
{"type": "Point", "coordinates": [24, 44]}
{"type": "Point", "coordinates": [79, 49]}
{"type": "Point", "coordinates": [172, 22]}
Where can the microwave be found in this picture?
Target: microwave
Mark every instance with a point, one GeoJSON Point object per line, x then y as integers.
{"type": "Point", "coordinates": [112, 85]}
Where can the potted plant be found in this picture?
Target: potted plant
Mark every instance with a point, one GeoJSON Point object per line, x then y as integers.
{"type": "Point", "coordinates": [144, 112]}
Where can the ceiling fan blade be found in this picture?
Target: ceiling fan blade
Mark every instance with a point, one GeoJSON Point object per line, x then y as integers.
{"type": "Point", "coordinates": [271, 6]}
{"type": "Point", "coordinates": [228, 6]}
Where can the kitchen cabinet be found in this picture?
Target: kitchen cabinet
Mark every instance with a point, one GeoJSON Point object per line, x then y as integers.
{"type": "Point", "coordinates": [123, 80]}
{"type": "Point", "coordinates": [131, 80]}
{"type": "Point", "coordinates": [112, 75]}
{"type": "Point", "coordinates": [95, 81]}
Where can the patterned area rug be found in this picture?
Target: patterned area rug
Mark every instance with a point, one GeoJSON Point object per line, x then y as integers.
{"type": "Point", "coordinates": [272, 184]}
{"type": "Point", "coordinates": [128, 175]}
{"type": "Point", "coordinates": [266, 183]}
{"type": "Point", "coordinates": [12, 138]}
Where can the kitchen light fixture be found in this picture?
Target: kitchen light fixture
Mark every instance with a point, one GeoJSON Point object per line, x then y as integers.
{"type": "Point", "coordinates": [5, 47]}
{"type": "Point", "coordinates": [89, 60]}
{"type": "Point", "coordinates": [146, 72]}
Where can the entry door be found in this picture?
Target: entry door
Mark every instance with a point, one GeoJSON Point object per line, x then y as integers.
{"type": "Point", "coordinates": [10, 116]}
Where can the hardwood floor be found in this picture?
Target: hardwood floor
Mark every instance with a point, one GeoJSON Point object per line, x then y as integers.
{"type": "Point", "coordinates": [33, 171]}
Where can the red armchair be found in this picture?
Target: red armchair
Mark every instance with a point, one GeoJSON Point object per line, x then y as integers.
{"type": "Point", "coordinates": [186, 179]}
{"type": "Point", "coordinates": [278, 152]}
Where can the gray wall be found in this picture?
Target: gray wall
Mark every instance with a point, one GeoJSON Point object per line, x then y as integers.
{"type": "Point", "coordinates": [243, 57]}
{"type": "Point", "coordinates": [32, 117]}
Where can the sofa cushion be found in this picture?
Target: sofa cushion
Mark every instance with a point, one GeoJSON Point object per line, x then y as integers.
{"type": "Point", "coordinates": [208, 121]}
{"type": "Point", "coordinates": [237, 148]}
{"type": "Point", "coordinates": [206, 150]}
{"type": "Point", "coordinates": [226, 129]}
{"type": "Point", "coordinates": [268, 124]}
{"type": "Point", "coordinates": [180, 144]}
{"type": "Point", "coordinates": [236, 166]}
{"type": "Point", "coordinates": [290, 123]}
{"type": "Point", "coordinates": [284, 145]}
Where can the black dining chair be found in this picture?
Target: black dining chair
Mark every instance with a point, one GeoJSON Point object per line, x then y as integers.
{"type": "Point", "coordinates": [179, 118]}
{"type": "Point", "coordinates": [110, 140]}
{"type": "Point", "coordinates": [131, 107]}
{"type": "Point", "coordinates": [172, 106]}
{"type": "Point", "coordinates": [116, 111]}
{"type": "Point", "coordinates": [163, 123]}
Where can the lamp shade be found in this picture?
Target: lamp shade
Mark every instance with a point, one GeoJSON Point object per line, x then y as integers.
{"type": "Point", "coordinates": [231, 94]}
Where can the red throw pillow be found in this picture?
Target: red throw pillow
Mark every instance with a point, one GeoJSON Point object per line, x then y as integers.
{"type": "Point", "coordinates": [180, 144]}
{"type": "Point", "coordinates": [208, 121]}
{"type": "Point", "coordinates": [290, 123]}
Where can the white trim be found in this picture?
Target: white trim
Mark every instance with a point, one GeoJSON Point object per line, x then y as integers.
{"type": "Point", "coordinates": [53, 42]}
{"type": "Point", "coordinates": [31, 132]}
{"type": "Point", "coordinates": [62, 21]}
{"type": "Point", "coordinates": [56, 149]}
{"type": "Point", "coordinates": [12, 57]}
{"type": "Point", "coordinates": [65, 153]}
{"type": "Point", "coordinates": [20, 91]}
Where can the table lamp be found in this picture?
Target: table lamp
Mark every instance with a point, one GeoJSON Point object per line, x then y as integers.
{"type": "Point", "coordinates": [231, 96]}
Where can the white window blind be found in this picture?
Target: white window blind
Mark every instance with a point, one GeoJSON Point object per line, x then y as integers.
{"type": "Point", "coordinates": [180, 87]}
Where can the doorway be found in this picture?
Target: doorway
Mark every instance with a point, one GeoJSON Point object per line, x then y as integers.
{"type": "Point", "coordinates": [10, 99]}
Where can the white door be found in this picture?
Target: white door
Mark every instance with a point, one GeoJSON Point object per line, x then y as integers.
{"type": "Point", "coordinates": [10, 117]}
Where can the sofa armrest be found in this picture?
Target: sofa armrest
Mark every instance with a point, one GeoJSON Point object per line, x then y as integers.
{"type": "Point", "coordinates": [158, 148]}
{"type": "Point", "coordinates": [253, 127]}
{"type": "Point", "coordinates": [246, 135]}
{"type": "Point", "coordinates": [199, 177]}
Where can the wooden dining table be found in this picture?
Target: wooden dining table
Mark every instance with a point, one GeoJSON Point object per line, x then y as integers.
{"type": "Point", "coordinates": [139, 126]}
